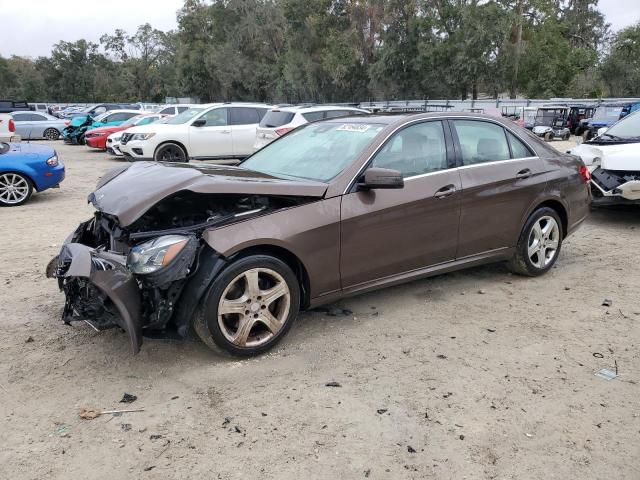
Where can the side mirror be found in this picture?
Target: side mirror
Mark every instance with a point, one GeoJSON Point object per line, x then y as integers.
{"type": "Point", "coordinates": [201, 122]}
{"type": "Point", "coordinates": [375, 178]}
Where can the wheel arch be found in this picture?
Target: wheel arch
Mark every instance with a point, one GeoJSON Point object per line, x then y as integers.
{"type": "Point", "coordinates": [176, 142]}
{"type": "Point", "coordinates": [288, 257]}
{"type": "Point", "coordinates": [27, 174]}
{"type": "Point", "coordinates": [559, 208]}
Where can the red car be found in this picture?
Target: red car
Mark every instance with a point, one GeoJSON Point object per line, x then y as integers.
{"type": "Point", "coordinates": [97, 138]}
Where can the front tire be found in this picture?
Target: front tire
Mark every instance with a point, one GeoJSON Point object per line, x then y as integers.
{"type": "Point", "coordinates": [250, 307]}
{"type": "Point", "coordinates": [15, 189]}
{"type": "Point", "coordinates": [539, 244]}
{"type": "Point", "coordinates": [548, 137]}
{"type": "Point", "coordinates": [170, 152]}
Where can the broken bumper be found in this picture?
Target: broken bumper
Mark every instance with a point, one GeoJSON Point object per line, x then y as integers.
{"type": "Point", "coordinates": [99, 289]}
{"type": "Point", "coordinates": [610, 187]}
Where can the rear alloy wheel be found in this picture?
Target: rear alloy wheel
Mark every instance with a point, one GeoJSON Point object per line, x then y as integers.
{"type": "Point", "coordinates": [170, 152]}
{"type": "Point", "coordinates": [548, 136]}
{"type": "Point", "coordinates": [51, 134]}
{"type": "Point", "coordinates": [15, 189]}
{"type": "Point", "coordinates": [250, 307]}
{"type": "Point", "coordinates": [539, 244]}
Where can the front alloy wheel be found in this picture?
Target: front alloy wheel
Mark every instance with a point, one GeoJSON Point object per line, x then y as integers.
{"type": "Point", "coordinates": [250, 307]}
{"type": "Point", "coordinates": [15, 189]}
{"type": "Point", "coordinates": [170, 152]}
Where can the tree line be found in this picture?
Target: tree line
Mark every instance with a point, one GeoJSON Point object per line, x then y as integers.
{"type": "Point", "coordinates": [342, 51]}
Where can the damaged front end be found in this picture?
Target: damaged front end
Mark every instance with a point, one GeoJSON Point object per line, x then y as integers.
{"type": "Point", "coordinates": [149, 275]}
{"type": "Point", "coordinates": [615, 187]}
{"type": "Point", "coordinates": [74, 132]}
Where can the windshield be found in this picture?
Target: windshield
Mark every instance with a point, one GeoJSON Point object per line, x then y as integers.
{"type": "Point", "coordinates": [548, 117]}
{"type": "Point", "coordinates": [317, 151]}
{"type": "Point", "coordinates": [629, 127]}
{"type": "Point", "coordinates": [132, 121]}
{"type": "Point", "coordinates": [99, 118]}
{"type": "Point", "coordinates": [184, 117]}
{"type": "Point", "coordinates": [608, 114]}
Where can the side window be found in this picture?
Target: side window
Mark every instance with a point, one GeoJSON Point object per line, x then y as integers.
{"type": "Point", "coordinates": [180, 110]}
{"type": "Point", "coordinates": [337, 113]}
{"type": "Point", "coordinates": [244, 116]}
{"type": "Point", "coordinates": [168, 111]}
{"type": "Point", "coordinates": [481, 142]}
{"type": "Point", "coordinates": [262, 112]}
{"type": "Point", "coordinates": [518, 149]}
{"type": "Point", "coordinates": [313, 116]}
{"type": "Point", "coordinates": [216, 117]}
{"type": "Point", "coordinates": [21, 117]}
{"type": "Point", "coordinates": [415, 150]}
{"type": "Point", "coordinates": [129, 115]}
{"type": "Point", "coordinates": [116, 117]}
{"type": "Point", "coordinates": [38, 118]}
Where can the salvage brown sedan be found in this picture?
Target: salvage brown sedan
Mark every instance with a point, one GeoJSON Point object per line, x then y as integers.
{"type": "Point", "coordinates": [331, 209]}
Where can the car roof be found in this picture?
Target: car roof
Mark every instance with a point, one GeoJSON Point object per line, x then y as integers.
{"type": "Point", "coordinates": [125, 110]}
{"type": "Point", "coordinates": [316, 108]}
{"type": "Point", "coordinates": [392, 119]}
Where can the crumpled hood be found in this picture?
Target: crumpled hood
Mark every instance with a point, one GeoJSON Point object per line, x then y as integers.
{"type": "Point", "coordinates": [129, 192]}
{"type": "Point", "coordinates": [80, 120]}
{"type": "Point", "coordinates": [612, 157]}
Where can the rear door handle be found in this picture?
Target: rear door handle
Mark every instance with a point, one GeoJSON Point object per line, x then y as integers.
{"type": "Point", "coordinates": [526, 173]}
{"type": "Point", "coordinates": [225, 131]}
{"type": "Point", "coordinates": [445, 191]}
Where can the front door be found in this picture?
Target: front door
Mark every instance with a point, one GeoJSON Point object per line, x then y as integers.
{"type": "Point", "coordinates": [213, 139]}
{"type": "Point", "coordinates": [388, 232]}
{"type": "Point", "coordinates": [501, 178]}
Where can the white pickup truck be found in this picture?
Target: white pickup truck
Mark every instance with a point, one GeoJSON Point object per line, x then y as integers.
{"type": "Point", "coordinates": [8, 129]}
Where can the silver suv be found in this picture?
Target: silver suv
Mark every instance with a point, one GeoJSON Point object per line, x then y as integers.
{"type": "Point", "coordinates": [281, 120]}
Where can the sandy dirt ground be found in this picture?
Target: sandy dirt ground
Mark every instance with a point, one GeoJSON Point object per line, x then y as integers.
{"type": "Point", "coordinates": [472, 375]}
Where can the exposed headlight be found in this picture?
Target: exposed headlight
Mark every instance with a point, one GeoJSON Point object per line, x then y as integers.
{"type": "Point", "coordinates": [53, 161]}
{"type": "Point", "coordinates": [142, 136]}
{"type": "Point", "coordinates": [155, 254]}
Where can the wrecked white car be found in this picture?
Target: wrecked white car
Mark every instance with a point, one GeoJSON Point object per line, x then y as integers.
{"type": "Point", "coordinates": [613, 157]}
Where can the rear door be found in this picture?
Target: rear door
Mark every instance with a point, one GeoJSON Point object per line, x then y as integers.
{"type": "Point", "coordinates": [24, 125]}
{"type": "Point", "coordinates": [388, 232]}
{"type": "Point", "coordinates": [244, 122]}
{"type": "Point", "coordinates": [501, 178]}
{"type": "Point", "coordinates": [213, 139]}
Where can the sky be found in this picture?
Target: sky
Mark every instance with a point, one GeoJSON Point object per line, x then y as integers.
{"type": "Point", "coordinates": [31, 27]}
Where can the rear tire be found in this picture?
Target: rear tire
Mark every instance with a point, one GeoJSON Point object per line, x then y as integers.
{"type": "Point", "coordinates": [170, 152]}
{"type": "Point", "coordinates": [539, 244]}
{"type": "Point", "coordinates": [548, 136]}
{"type": "Point", "coordinates": [261, 297]}
{"type": "Point", "coordinates": [51, 134]}
{"type": "Point", "coordinates": [566, 136]}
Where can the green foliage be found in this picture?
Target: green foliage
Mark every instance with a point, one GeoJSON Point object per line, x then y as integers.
{"type": "Point", "coordinates": [343, 50]}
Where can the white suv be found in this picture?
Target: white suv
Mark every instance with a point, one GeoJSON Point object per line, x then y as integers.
{"type": "Point", "coordinates": [281, 120]}
{"type": "Point", "coordinates": [216, 131]}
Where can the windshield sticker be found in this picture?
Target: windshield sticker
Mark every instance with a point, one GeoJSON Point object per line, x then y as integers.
{"type": "Point", "coordinates": [351, 127]}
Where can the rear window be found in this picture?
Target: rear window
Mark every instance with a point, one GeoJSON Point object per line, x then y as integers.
{"type": "Point", "coordinates": [276, 118]}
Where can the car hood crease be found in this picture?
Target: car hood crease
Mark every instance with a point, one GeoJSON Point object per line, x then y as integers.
{"type": "Point", "coordinates": [133, 191]}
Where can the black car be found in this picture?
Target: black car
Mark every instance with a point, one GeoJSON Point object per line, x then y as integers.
{"type": "Point", "coordinates": [8, 106]}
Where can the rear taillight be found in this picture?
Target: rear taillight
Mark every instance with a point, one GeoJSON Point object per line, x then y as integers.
{"type": "Point", "coordinates": [12, 126]}
{"type": "Point", "coordinates": [585, 174]}
{"type": "Point", "coordinates": [282, 131]}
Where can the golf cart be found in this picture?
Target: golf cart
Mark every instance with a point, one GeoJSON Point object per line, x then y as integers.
{"type": "Point", "coordinates": [552, 122]}
{"type": "Point", "coordinates": [577, 114]}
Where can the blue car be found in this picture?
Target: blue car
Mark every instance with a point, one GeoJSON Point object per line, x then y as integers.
{"type": "Point", "coordinates": [607, 114]}
{"type": "Point", "coordinates": [25, 167]}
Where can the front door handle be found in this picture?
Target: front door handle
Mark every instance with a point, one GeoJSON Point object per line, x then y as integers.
{"type": "Point", "coordinates": [445, 191]}
{"type": "Point", "coordinates": [225, 131]}
{"type": "Point", "coordinates": [522, 174]}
